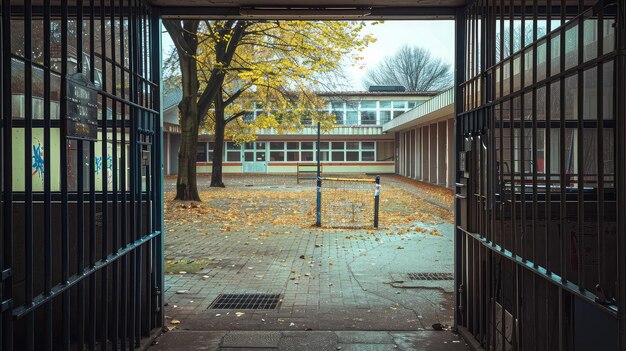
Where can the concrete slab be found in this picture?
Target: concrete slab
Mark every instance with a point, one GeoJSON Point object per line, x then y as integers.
{"type": "Point", "coordinates": [366, 347]}
{"type": "Point", "coordinates": [429, 341]}
{"type": "Point", "coordinates": [307, 341]}
{"type": "Point", "coordinates": [249, 339]}
{"type": "Point", "coordinates": [189, 340]}
{"type": "Point", "coordinates": [364, 337]}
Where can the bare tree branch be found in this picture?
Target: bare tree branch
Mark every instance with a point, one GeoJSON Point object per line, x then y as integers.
{"type": "Point", "coordinates": [413, 68]}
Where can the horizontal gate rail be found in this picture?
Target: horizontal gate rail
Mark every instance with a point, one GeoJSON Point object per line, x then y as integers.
{"type": "Point", "coordinates": [87, 272]}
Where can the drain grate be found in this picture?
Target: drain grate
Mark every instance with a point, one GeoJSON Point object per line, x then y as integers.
{"type": "Point", "coordinates": [431, 276]}
{"type": "Point", "coordinates": [245, 302]}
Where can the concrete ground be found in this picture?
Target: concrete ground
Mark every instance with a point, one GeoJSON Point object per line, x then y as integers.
{"type": "Point", "coordinates": [340, 289]}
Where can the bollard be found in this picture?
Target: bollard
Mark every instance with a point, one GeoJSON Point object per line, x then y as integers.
{"type": "Point", "coordinates": [318, 214]}
{"type": "Point", "coordinates": [376, 201]}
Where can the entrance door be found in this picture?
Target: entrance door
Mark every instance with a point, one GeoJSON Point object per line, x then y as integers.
{"type": "Point", "coordinates": [254, 157]}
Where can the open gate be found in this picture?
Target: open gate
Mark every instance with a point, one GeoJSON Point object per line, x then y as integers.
{"type": "Point", "coordinates": [81, 249]}
{"type": "Point", "coordinates": [540, 242]}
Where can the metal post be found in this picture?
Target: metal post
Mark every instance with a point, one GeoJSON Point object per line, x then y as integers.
{"type": "Point", "coordinates": [376, 201]}
{"type": "Point", "coordinates": [620, 174]}
{"type": "Point", "coordinates": [159, 154]}
{"type": "Point", "coordinates": [318, 214]}
{"type": "Point", "coordinates": [459, 77]}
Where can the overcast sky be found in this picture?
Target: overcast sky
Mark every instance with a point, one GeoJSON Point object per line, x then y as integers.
{"type": "Point", "coordinates": [435, 36]}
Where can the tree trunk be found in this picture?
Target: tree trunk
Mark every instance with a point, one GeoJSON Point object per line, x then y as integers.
{"type": "Point", "coordinates": [218, 150]}
{"type": "Point", "coordinates": [186, 185]}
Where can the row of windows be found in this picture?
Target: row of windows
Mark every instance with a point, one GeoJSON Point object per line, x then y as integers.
{"type": "Point", "coordinates": [305, 151]}
{"type": "Point", "coordinates": [366, 112]}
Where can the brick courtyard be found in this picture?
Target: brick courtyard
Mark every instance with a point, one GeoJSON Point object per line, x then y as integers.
{"type": "Point", "coordinates": [256, 236]}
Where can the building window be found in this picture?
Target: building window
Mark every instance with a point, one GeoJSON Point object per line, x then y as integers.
{"type": "Point", "coordinates": [335, 151]}
{"type": "Point", "coordinates": [210, 151]}
{"type": "Point", "coordinates": [307, 151]}
{"type": "Point", "coordinates": [277, 151]}
{"type": "Point", "coordinates": [367, 156]}
{"type": "Point", "coordinates": [233, 152]}
{"type": "Point", "coordinates": [201, 152]}
{"type": "Point", "coordinates": [385, 116]}
{"type": "Point", "coordinates": [352, 155]}
{"type": "Point", "coordinates": [368, 117]}
{"type": "Point", "coordinates": [337, 156]}
{"type": "Point", "coordinates": [293, 156]}
{"type": "Point", "coordinates": [352, 114]}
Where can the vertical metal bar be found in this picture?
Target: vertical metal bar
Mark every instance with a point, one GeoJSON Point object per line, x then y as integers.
{"type": "Point", "coordinates": [2, 173]}
{"type": "Point", "coordinates": [547, 143]}
{"type": "Point", "coordinates": [621, 169]}
{"type": "Point", "coordinates": [92, 194]}
{"type": "Point", "coordinates": [80, 206]}
{"type": "Point", "coordinates": [28, 179]}
{"type": "Point", "coordinates": [46, 175]}
{"type": "Point", "coordinates": [496, 166]}
{"type": "Point", "coordinates": [7, 169]}
{"type": "Point", "coordinates": [580, 157]}
{"type": "Point", "coordinates": [600, 156]}
{"type": "Point", "coordinates": [459, 77]}
{"type": "Point", "coordinates": [535, 198]}
{"type": "Point", "coordinates": [124, 168]}
{"type": "Point", "coordinates": [562, 181]}
{"type": "Point", "coordinates": [512, 126]}
{"type": "Point", "coordinates": [134, 153]}
{"type": "Point", "coordinates": [117, 172]}
{"type": "Point", "coordinates": [155, 49]}
{"type": "Point", "coordinates": [65, 244]}
{"type": "Point", "coordinates": [534, 137]}
{"type": "Point", "coordinates": [104, 283]}
{"type": "Point", "coordinates": [514, 231]}
{"type": "Point", "coordinates": [138, 167]}
{"type": "Point", "coordinates": [522, 138]}
{"type": "Point", "coordinates": [501, 185]}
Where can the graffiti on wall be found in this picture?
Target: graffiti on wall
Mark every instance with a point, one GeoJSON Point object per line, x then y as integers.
{"type": "Point", "coordinates": [108, 164]}
{"type": "Point", "coordinates": [38, 160]}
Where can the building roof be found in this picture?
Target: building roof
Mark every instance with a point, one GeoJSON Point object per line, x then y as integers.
{"type": "Point", "coordinates": [378, 93]}
{"type": "Point", "coordinates": [171, 96]}
{"type": "Point", "coordinates": [438, 106]}
{"type": "Point", "coordinates": [312, 3]}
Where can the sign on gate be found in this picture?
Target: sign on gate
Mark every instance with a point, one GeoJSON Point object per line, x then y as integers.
{"type": "Point", "coordinates": [82, 108]}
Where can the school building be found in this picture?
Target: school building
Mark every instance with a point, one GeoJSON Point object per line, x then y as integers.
{"type": "Point", "coordinates": [374, 133]}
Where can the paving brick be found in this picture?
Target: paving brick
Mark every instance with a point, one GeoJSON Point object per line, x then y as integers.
{"type": "Point", "coordinates": [341, 285]}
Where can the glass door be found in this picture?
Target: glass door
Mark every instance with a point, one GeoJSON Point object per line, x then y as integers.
{"type": "Point", "coordinates": [254, 157]}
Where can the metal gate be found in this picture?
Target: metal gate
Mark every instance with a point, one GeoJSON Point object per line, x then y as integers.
{"type": "Point", "coordinates": [541, 186]}
{"type": "Point", "coordinates": [81, 217]}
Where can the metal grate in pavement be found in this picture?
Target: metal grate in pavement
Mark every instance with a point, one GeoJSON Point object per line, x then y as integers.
{"type": "Point", "coordinates": [245, 302]}
{"type": "Point", "coordinates": [431, 276]}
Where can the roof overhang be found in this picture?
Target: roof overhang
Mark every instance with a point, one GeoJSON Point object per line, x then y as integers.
{"type": "Point", "coordinates": [440, 106]}
{"type": "Point", "coordinates": [309, 9]}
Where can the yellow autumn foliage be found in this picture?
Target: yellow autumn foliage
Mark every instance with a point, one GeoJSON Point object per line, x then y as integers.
{"type": "Point", "coordinates": [279, 67]}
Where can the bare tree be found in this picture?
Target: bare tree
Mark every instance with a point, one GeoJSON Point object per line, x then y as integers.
{"type": "Point", "coordinates": [412, 67]}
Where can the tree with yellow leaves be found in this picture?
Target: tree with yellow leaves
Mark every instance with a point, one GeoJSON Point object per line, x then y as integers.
{"type": "Point", "coordinates": [226, 66]}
